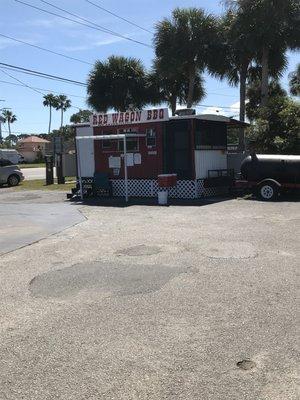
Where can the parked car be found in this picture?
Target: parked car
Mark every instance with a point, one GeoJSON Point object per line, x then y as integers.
{"type": "Point", "coordinates": [270, 175]}
{"type": "Point", "coordinates": [12, 155]}
{"type": "Point", "coordinates": [10, 173]}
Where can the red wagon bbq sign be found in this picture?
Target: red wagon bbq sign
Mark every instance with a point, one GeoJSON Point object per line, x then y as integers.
{"type": "Point", "coordinates": [129, 117]}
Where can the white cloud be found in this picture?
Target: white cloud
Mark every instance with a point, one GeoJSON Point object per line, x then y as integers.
{"type": "Point", "coordinates": [4, 43]}
{"type": "Point", "coordinates": [235, 105]}
{"type": "Point", "coordinates": [213, 110]}
{"type": "Point", "coordinates": [92, 45]}
{"type": "Point", "coordinates": [105, 42]}
{"type": "Point", "coordinates": [230, 111]}
{"type": "Point", "coordinates": [48, 22]}
{"type": "Point", "coordinates": [235, 109]}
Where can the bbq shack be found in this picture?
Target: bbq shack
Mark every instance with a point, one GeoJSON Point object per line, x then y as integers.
{"type": "Point", "coordinates": [139, 152]}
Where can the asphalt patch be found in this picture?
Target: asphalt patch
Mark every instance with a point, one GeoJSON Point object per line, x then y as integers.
{"type": "Point", "coordinates": [107, 279]}
{"type": "Point", "coordinates": [140, 250]}
{"type": "Point", "coordinates": [229, 250]}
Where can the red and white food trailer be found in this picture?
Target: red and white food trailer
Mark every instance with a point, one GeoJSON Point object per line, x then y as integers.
{"type": "Point", "coordinates": [134, 147]}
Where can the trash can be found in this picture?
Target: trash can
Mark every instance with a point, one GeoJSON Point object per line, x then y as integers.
{"type": "Point", "coordinates": [163, 197]}
{"type": "Point", "coordinates": [167, 180]}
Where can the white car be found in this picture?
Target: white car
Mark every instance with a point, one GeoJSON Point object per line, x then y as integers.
{"type": "Point", "coordinates": [12, 155]}
{"type": "Point", "coordinates": [10, 174]}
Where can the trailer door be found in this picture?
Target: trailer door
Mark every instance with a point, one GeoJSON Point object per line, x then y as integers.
{"type": "Point", "coordinates": [178, 149]}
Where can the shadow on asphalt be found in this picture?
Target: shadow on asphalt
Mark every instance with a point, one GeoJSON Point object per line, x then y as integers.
{"type": "Point", "coordinates": [135, 201]}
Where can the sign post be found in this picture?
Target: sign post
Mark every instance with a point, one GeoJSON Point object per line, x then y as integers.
{"type": "Point", "coordinates": [125, 169]}
{"type": "Point", "coordinates": [58, 154]}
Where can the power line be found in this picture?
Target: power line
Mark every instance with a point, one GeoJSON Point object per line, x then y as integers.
{"type": "Point", "coordinates": [29, 87]}
{"type": "Point", "coordinates": [44, 49]}
{"type": "Point", "coordinates": [93, 23]}
{"type": "Point", "coordinates": [102, 28]}
{"type": "Point", "coordinates": [222, 94]}
{"type": "Point", "coordinates": [21, 70]}
{"type": "Point", "coordinates": [117, 16]}
{"type": "Point", "coordinates": [206, 105]}
{"type": "Point", "coordinates": [90, 24]}
{"type": "Point", "coordinates": [83, 97]}
{"type": "Point", "coordinates": [22, 83]}
{"type": "Point", "coordinates": [46, 90]}
{"type": "Point", "coordinates": [41, 74]}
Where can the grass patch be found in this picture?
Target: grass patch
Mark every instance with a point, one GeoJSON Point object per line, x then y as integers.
{"type": "Point", "coordinates": [39, 184]}
{"type": "Point", "coordinates": [41, 165]}
{"type": "Point", "coordinates": [70, 178]}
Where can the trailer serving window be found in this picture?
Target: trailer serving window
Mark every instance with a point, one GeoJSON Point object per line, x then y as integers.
{"type": "Point", "coordinates": [106, 144]}
{"type": "Point", "coordinates": [132, 144]}
{"type": "Point", "coordinates": [210, 135]}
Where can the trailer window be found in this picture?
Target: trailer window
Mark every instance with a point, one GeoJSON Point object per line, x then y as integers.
{"type": "Point", "coordinates": [150, 138]}
{"type": "Point", "coordinates": [210, 135]}
{"type": "Point", "coordinates": [132, 144]}
{"type": "Point", "coordinates": [106, 144]}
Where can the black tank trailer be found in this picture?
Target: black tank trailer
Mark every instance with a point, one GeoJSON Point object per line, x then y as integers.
{"type": "Point", "coordinates": [269, 175]}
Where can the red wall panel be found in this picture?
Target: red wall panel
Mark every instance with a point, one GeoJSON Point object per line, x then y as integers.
{"type": "Point", "coordinates": [151, 164]}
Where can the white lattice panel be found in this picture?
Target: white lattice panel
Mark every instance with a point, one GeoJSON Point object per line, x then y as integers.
{"type": "Point", "coordinates": [136, 187]}
{"type": "Point", "coordinates": [148, 188]}
{"type": "Point", "coordinates": [185, 189]}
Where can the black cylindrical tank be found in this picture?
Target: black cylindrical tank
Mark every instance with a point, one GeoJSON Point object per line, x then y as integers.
{"type": "Point", "coordinates": [282, 168]}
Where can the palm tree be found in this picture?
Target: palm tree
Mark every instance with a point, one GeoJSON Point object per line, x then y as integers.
{"type": "Point", "coordinates": [81, 116]}
{"type": "Point", "coordinates": [50, 100]}
{"type": "Point", "coordinates": [186, 42]}
{"type": "Point", "coordinates": [9, 117]}
{"type": "Point", "coordinates": [253, 106]}
{"type": "Point", "coordinates": [237, 58]}
{"type": "Point", "coordinates": [295, 82]}
{"type": "Point", "coordinates": [63, 103]}
{"type": "Point", "coordinates": [171, 87]}
{"type": "Point", "coordinates": [274, 26]}
{"type": "Point", "coordinates": [119, 83]}
{"type": "Point", "coordinates": [233, 56]}
{"type": "Point", "coordinates": [237, 54]}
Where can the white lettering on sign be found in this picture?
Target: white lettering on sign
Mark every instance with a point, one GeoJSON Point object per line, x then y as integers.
{"type": "Point", "coordinates": [130, 117]}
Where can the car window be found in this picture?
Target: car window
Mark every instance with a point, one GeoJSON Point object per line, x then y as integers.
{"type": "Point", "coordinates": [5, 163]}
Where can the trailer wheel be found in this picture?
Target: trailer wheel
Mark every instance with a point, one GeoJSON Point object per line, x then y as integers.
{"type": "Point", "coordinates": [268, 191]}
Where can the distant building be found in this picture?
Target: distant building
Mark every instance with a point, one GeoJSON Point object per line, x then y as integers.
{"type": "Point", "coordinates": [32, 148]}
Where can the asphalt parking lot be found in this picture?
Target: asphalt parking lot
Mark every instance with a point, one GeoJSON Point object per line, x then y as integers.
{"type": "Point", "coordinates": [144, 302]}
{"type": "Point", "coordinates": [32, 216]}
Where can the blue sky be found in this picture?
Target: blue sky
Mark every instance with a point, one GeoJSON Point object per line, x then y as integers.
{"type": "Point", "coordinates": [62, 36]}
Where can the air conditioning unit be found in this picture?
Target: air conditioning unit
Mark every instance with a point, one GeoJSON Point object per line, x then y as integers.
{"type": "Point", "coordinates": [185, 111]}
